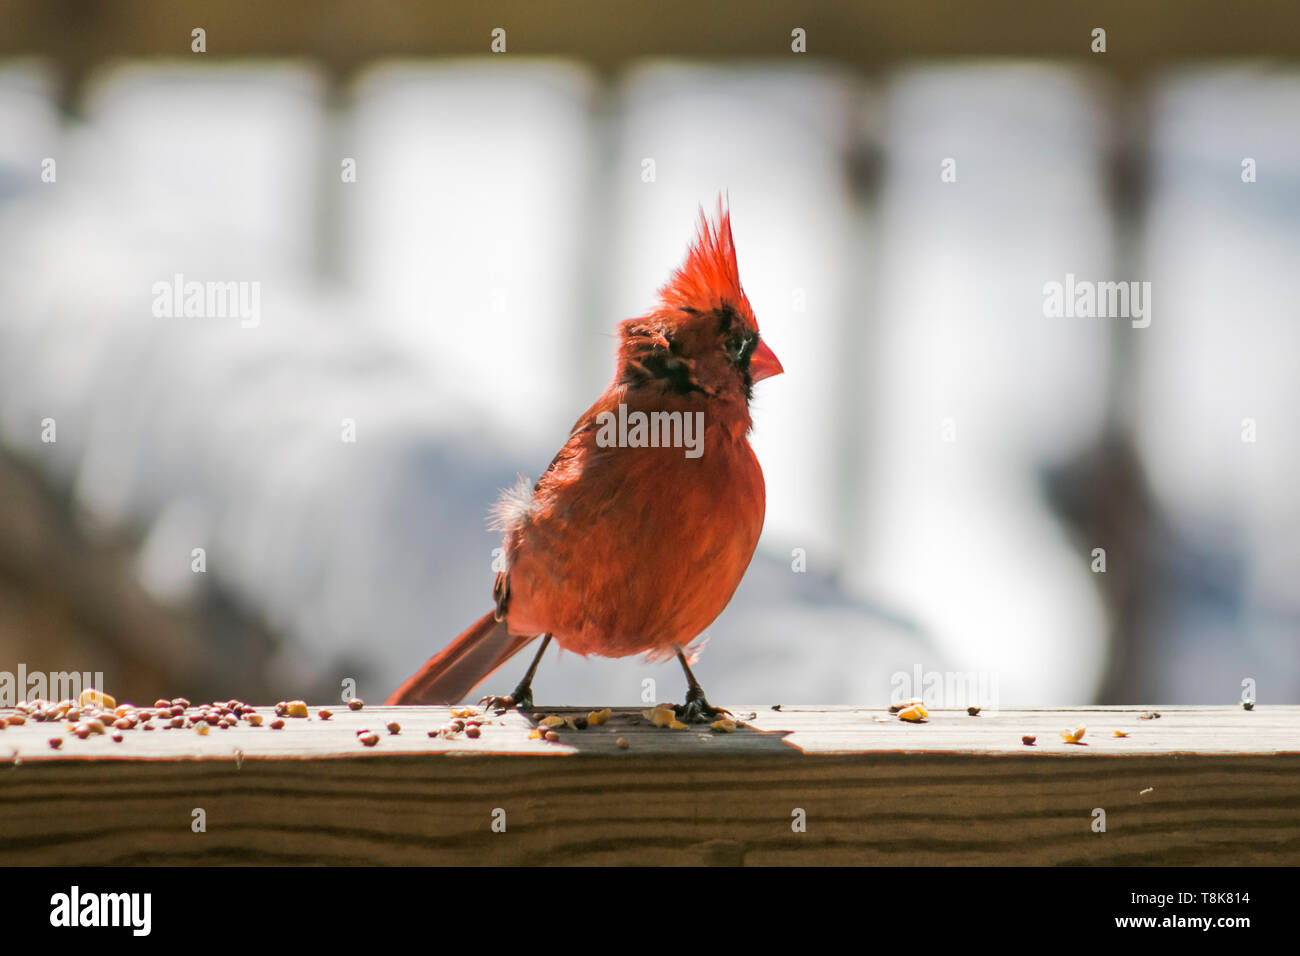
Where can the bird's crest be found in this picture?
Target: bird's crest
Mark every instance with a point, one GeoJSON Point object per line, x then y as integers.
{"type": "Point", "coordinates": [709, 278]}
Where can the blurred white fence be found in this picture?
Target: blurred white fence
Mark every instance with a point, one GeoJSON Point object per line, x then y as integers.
{"type": "Point", "coordinates": [456, 303]}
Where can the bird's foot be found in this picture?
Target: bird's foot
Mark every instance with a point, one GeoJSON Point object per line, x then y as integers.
{"type": "Point", "coordinates": [697, 709]}
{"type": "Point", "coordinates": [521, 699]}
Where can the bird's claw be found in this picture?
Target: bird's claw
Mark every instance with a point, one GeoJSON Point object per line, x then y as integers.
{"type": "Point", "coordinates": [521, 699]}
{"type": "Point", "coordinates": [697, 709]}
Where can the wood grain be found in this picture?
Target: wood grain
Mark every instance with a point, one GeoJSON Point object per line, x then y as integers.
{"type": "Point", "coordinates": [1196, 786]}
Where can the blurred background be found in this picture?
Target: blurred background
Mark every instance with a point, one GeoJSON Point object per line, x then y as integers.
{"type": "Point", "coordinates": [444, 224]}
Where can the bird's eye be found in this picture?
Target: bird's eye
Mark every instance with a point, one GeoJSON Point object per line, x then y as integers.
{"type": "Point", "coordinates": [741, 347]}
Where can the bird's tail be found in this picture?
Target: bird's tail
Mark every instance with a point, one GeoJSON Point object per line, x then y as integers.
{"type": "Point", "coordinates": [454, 671]}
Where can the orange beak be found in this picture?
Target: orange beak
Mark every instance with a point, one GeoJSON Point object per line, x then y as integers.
{"type": "Point", "coordinates": [764, 363]}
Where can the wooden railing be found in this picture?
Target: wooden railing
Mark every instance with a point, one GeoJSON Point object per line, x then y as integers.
{"type": "Point", "coordinates": [1194, 785]}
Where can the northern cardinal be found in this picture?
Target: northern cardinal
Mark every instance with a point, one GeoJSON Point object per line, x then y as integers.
{"type": "Point", "coordinates": [622, 547]}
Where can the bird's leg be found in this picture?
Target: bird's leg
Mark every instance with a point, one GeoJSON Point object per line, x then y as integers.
{"type": "Point", "coordinates": [697, 709]}
{"type": "Point", "coordinates": [523, 693]}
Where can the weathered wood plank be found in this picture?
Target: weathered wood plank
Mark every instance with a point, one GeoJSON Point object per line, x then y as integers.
{"type": "Point", "coordinates": [789, 731]}
{"type": "Point", "coordinates": [1196, 786]}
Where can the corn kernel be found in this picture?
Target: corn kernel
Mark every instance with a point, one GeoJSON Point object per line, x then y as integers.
{"type": "Point", "coordinates": [659, 716]}
{"type": "Point", "coordinates": [91, 697]}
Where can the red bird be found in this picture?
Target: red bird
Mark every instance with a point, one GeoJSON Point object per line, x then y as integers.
{"type": "Point", "coordinates": [630, 544]}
